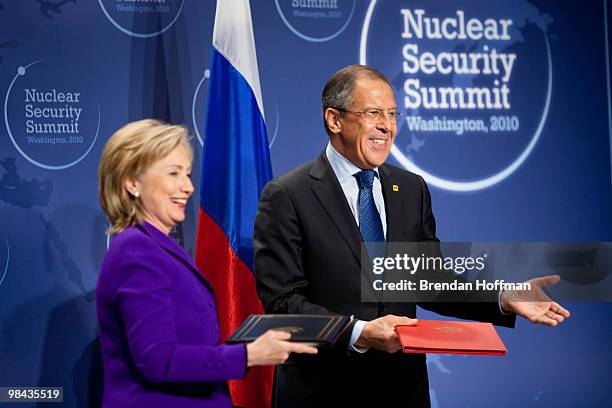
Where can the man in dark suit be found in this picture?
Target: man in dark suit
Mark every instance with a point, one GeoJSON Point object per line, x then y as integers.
{"type": "Point", "coordinates": [308, 235]}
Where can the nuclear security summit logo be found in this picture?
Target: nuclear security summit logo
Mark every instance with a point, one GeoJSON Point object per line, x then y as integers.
{"type": "Point", "coordinates": [198, 111]}
{"type": "Point", "coordinates": [316, 20]}
{"type": "Point", "coordinates": [142, 18]}
{"type": "Point", "coordinates": [473, 79]}
{"type": "Point", "coordinates": [51, 115]}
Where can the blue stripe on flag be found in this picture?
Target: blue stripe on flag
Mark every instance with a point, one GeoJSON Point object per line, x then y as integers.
{"type": "Point", "coordinates": [235, 143]}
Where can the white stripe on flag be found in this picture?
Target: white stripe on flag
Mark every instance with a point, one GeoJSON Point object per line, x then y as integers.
{"type": "Point", "coordinates": [233, 38]}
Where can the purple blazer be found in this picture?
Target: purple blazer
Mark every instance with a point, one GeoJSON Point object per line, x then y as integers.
{"type": "Point", "coordinates": [158, 327]}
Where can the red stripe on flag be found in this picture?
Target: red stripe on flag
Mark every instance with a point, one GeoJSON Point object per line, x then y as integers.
{"type": "Point", "coordinates": [236, 298]}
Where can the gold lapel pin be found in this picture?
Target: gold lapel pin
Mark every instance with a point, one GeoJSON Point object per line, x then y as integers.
{"type": "Point", "coordinates": [395, 187]}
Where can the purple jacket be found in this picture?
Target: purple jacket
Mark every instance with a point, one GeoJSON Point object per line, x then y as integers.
{"type": "Point", "coordinates": [158, 327]}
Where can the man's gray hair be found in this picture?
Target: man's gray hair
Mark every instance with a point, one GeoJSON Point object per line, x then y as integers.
{"type": "Point", "coordinates": [338, 91]}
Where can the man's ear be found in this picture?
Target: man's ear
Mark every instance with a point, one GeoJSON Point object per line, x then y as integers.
{"type": "Point", "coordinates": [332, 118]}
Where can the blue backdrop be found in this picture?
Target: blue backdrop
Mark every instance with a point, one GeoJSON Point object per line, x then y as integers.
{"type": "Point", "coordinates": [508, 119]}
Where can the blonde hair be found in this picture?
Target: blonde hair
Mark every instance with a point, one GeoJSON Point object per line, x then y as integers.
{"type": "Point", "coordinates": [128, 153]}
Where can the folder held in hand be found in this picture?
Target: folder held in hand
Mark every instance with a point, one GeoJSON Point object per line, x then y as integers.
{"type": "Point", "coordinates": [450, 337]}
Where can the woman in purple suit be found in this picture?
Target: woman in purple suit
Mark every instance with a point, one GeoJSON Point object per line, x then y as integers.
{"type": "Point", "coordinates": [156, 311]}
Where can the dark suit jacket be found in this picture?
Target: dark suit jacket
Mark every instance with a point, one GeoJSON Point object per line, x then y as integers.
{"type": "Point", "coordinates": [307, 256]}
{"type": "Point", "coordinates": [158, 327]}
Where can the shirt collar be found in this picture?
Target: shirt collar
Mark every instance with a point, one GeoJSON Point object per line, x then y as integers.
{"type": "Point", "coordinates": [343, 167]}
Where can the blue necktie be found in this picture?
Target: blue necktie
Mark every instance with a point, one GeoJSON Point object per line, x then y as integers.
{"type": "Point", "coordinates": [370, 225]}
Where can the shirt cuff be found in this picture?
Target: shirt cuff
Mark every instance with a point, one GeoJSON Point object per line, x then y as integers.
{"type": "Point", "coordinates": [502, 311]}
{"type": "Point", "coordinates": [357, 329]}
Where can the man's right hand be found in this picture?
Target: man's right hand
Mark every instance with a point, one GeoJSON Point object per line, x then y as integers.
{"type": "Point", "coordinates": [380, 333]}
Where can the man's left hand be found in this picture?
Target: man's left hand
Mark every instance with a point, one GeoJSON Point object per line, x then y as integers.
{"type": "Point", "coordinates": [534, 304]}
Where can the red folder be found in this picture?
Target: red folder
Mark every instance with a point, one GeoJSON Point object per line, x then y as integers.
{"type": "Point", "coordinates": [444, 337]}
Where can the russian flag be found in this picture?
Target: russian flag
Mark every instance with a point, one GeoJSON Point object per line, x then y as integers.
{"type": "Point", "coordinates": [235, 168]}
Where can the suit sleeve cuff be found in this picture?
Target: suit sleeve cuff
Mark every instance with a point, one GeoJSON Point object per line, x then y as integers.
{"type": "Point", "coordinates": [236, 360]}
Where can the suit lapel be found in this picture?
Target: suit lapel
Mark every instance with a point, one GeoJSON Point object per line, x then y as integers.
{"type": "Point", "coordinates": [170, 246]}
{"type": "Point", "coordinates": [329, 193]}
{"type": "Point", "coordinates": [393, 204]}
{"type": "Point", "coordinates": [394, 209]}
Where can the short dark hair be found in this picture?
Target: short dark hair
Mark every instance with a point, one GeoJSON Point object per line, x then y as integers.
{"type": "Point", "coordinates": [338, 91]}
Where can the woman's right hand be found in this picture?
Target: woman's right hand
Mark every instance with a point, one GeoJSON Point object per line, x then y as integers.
{"type": "Point", "coordinates": [273, 347]}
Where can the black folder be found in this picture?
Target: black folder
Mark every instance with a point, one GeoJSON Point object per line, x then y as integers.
{"type": "Point", "coordinates": [317, 330]}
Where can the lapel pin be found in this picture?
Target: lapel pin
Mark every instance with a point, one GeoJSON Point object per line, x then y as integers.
{"type": "Point", "coordinates": [395, 187]}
